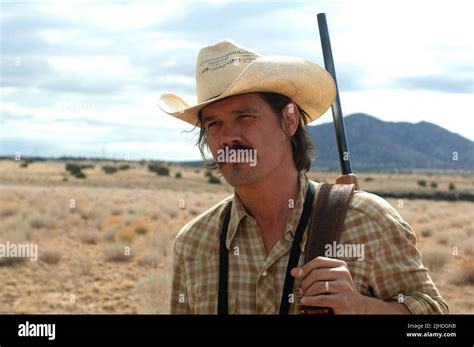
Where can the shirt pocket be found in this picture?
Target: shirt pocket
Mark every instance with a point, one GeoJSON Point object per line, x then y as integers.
{"type": "Point", "coordinates": [207, 304]}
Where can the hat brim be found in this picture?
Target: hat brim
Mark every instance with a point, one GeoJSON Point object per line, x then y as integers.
{"type": "Point", "coordinates": [304, 82]}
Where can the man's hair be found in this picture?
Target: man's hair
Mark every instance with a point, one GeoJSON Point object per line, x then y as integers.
{"type": "Point", "coordinates": [301, 143]}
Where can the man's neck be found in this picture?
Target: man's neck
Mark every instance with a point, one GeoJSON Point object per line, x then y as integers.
{"type": "Point", "coordinates": [269, 201]}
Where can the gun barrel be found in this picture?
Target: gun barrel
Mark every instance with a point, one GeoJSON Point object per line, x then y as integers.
{"type": "Point", "coordinates": [342, 146]}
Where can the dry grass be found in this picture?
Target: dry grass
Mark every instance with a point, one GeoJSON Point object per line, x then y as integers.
{"type": "Point", "coordinates": [467, 247]}
{"type": "Point", "coordinates": [39, 220]}
{"type": "Point", "coordinates": [84, 265]}
{"type": "Point", "coordinates": [154, 291]}
{"type": "Point", "coordinates": [140, 210]}
{"type": "Point", "coordinates": [8, 209]}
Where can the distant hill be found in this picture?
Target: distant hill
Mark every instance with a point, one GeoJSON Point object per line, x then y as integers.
{"type": "Point", "coordinates": [379, 145]}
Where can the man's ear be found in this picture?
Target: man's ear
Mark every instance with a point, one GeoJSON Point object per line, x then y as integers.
{"type": "Point", "coordinates": [292, 117]}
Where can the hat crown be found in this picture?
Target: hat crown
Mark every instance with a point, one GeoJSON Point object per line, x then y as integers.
{"type": "Point", "coordinates": [218, 66]}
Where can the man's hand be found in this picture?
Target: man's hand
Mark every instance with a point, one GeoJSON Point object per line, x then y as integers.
{"type": "Point", "coordinates": [343, 295]}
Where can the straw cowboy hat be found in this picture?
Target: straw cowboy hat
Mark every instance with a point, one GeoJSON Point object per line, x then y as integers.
{"type": "Point", "coordinates": [227, 69]}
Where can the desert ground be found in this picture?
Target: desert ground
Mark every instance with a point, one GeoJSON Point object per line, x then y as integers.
{"type": "Point", "coordinates": [105, 241]}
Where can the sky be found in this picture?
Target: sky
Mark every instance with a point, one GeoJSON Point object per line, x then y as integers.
{"type": "Point", "coordinates": [82, 78]}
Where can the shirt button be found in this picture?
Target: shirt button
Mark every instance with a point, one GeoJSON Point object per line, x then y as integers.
{"type": "Point", "coordinates": [264, 273]}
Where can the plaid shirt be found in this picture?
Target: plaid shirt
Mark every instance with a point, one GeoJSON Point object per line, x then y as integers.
{"type": "Point", "coordinates": [391, 269]}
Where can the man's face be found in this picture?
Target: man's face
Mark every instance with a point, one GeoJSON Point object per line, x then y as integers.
{"type": "Point", "coordinates": [246, 121]}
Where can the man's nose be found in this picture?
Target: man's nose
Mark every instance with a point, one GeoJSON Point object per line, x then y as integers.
{"type": "Point", "coordinates": [230, 135]}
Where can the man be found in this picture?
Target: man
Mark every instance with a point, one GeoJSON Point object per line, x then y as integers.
{"type": "Point", "coordinates": [251, 103]}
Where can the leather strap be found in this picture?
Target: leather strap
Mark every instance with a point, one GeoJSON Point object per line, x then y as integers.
{"type": "Point", "coordinates": [325, 226]}
{"type": "Point", "coordinates": [326, 217]}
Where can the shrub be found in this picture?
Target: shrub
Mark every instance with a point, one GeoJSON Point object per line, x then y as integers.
{"type": "Point", "coordinates": [73, 168]}
{"type": "Point", "coordinates": [8, 209]}
{"type": "Point", "coordinates": [39, 220]}
{"type": "Point", "coordinates": [452, 186]}
{"type": "Point", "coordinates": [178, 175]}
{"type": "Point", "coordinates": [464, 274]}
{"type": "Point", "coordinates": [11, 261]}
{"type": "Point", "coordinates": [87, 166]}
{"type": "Point", "coordinates": [108, 169]}
{"type": "Point", "coordinates": [109, 234]}
{"type": "Point", "coordinates": [88, 237]}
{"type": "Point", "coordinates": [116, 211]}
{"type": "Point", "coordinates": [14, 237]}
{"type": "Point", "coordinates": [369, 179]}
{"type": "Point", "coordinates": [80, 175]}
{"type": "Point", "coordinates": [426, 231]}
{"type": "Point", "coordinates": [160, 170]}
{"type": "Point", "coordinates": [76, 170]}
{"type": "Point", "coordinates": [434, 185]}
{"type": "Point", "coordinates": [150, 257]}
{"type": "Point", "coordinates": [422, 183]}
{"type": "Point", "coordinates": [435, 258]}
{"type": "Point", "coordinates": [84, 264]}
{"type": "Point", "coordinates": [50, 255]}
{"type": "Point", "coordinates": [163, 171]}
{"type": "Point", "coordinates": [117, 252]}
{"type": "Point", "coordinates": [214, 180]}
{"type": "Point", "coordinates": [126, 234]}
{"type": "Point", "coordinates": [124, 167]}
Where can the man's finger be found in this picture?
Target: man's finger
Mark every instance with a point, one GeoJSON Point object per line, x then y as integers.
{"type": "Point", "coordinates": [319, 288]}
{"type": "Point", "coordinates": [333, 300]}
{"type": "Point", "coordinates": [318, 262]}
{"type": "Point", "coordinates": [318, 275]}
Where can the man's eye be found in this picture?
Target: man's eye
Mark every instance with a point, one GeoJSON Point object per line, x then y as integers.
{"type": "Point", "coordinates": [210, 124]}
{"type": "Point", "coordinates": [246, 116]}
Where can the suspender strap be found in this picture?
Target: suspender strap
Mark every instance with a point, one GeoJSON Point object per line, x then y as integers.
{"type": "Point", "coordinates": [296, 250]}
{"type": "Point", "coordinates": [222, 301]}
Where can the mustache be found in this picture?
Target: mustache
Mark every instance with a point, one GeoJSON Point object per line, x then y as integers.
{"type": "Point", "coordinates": [237, 146]}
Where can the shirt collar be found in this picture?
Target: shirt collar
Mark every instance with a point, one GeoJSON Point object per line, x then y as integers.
{"type": "Point", "coordinates": [238, 213]}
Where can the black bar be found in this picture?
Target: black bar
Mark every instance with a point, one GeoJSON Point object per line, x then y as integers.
{"type": "Point", "coordinates": [87, 329]}
{"type": "Point", "coordinates": [342, 146]}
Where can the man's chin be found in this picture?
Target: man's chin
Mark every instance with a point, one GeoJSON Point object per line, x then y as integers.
{"type": "Point", "coordinates": [239, 174]}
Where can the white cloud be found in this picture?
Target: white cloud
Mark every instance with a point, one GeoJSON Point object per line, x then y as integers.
{"type": "Point", "coordinates": [100, 67]}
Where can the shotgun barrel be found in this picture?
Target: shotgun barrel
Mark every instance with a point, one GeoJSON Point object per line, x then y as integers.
{"type": "Point", "coordinates": [342, 146]}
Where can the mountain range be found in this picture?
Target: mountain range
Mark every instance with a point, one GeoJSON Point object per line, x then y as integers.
{"type": "Point", "coordinates": [378, 145]}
